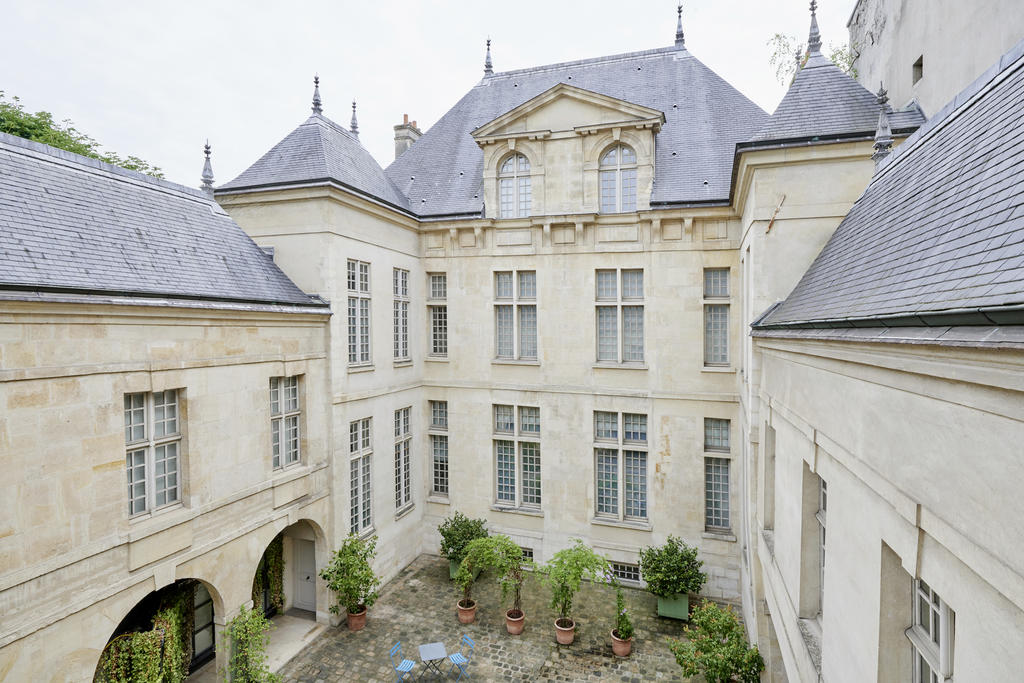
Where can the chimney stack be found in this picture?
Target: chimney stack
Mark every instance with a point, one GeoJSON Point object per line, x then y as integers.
{"type": "Point", "coordinates": [405, 134]}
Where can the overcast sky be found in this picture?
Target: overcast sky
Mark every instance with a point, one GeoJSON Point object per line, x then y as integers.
{"type": "Point", "coordinates": [154, 79]}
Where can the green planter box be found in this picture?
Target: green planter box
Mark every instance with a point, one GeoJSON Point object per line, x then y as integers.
{"type": "Point", "coordinates": [677, 607]}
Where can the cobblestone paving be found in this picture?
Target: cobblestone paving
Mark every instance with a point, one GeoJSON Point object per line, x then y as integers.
{"type": "Point", "coordinates": [418, 607]}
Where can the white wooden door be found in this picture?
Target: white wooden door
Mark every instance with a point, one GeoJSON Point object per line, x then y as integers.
{"type": "Point", "coordinates": [305, 575]}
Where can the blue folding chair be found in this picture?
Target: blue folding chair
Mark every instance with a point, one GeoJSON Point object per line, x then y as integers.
{"type": "Point", "coordinates": [461, 658]}
{"type": "Point", "coordinates": [404, 667]}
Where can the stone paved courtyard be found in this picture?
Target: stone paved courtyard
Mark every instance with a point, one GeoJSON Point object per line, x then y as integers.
{"type": "Point", "coordinates": [418, 607]}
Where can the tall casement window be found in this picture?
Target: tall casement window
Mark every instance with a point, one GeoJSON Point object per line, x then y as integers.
{"type": "Point", "coordinates": [620, 315]}
{"type": "Point", "coordinates": [820, 518]}
{"type": "Point", "coordinates": [514, 186]}
{"type": "Point", "coordinates": [438, 433]}
{"type": "Point", "coordinates": [515, 315]}
{"type": "Point", "coordinates": [437, 307]}
{"type": "Point", "coordinates": [716, 316]}
{"type": "Point", "coordinates": [517, 456]}
{"type": "Point", "coordinates": [618, 179]}
{"type": "Point", "coordinates": [284, 420]}
{"type": "Point", "coordinates": [931, 636]}
{"type": "Point", "coordinates": [360, 451]}
{"type": "Point", "coordinates": [358, 313]}
{"type": "Point", "coordinates": [401, 317]}
{"type": "Point", "coordinates": [403, 461]}
{"type": "Point", "coordinates": [152, 436]}
{"type": "Point", "coordinates": [716, 475]}
{"type": "Point", "coordinates": [620, 465]}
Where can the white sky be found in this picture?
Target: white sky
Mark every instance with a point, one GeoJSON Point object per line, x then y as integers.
{"type": "Point", "coordinates": [155, 79]}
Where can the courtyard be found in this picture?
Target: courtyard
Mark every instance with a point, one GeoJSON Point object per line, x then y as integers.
{"type": "Point", "coordinates": [418, 607]}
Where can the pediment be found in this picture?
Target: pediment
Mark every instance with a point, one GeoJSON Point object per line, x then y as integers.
{"type": "Point", "coordinates": [568, 108]}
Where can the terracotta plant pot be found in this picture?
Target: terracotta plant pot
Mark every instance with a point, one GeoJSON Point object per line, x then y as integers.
{"type": "Point", "coordinates": [621, 647]}
{"type": "Point", "coordinates": [565, 634]}
{"type": "Point", "coordinates": [466, 614]}
{"type": "Point", "coordinates": [358, 620]}
{"type": "Point", "coordinates": [515, 624]}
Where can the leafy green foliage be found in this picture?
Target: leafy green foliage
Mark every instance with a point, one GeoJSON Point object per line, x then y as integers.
{"type": "Point", "coordinates": [350, 575]}
{"type": "Point", "coordinates": [623, 624]}
{"type": "Point", "coordinates": [247, 640]}
{"type": "Point", "coordinates": [456, 533]}
{"type": "Point", "coordinates": [41, 127]}
{"type": "Point", "coordinates": [672, 569]}
{"type": "Point", "coordinates": [566, 571]}
{"type": "Point", "coordinates": [717, 647]}
{"type": "Point", "coordinates": [161, 653]}
{"type": "Point", "coordinates": [783, 56]}
{"type": "Point", "coordinates": [480, 554]}
{"type": "Point", "coordinates": [272, 563]}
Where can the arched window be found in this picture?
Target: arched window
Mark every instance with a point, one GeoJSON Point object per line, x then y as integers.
{"type": "Point", "coordinates": [514, 186]}
{"type": "Point", "coordinates": [618, 180]}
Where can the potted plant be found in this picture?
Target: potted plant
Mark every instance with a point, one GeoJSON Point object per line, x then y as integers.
{"type": "Point", "coordinates": [717, 647]}
{"type": "Point", "coordinates": [479, 554]}
{"type": "Point", "coordinates": [351, 577]}
{"type": "Point", "coordinates": [511, 566]}
{"type": "Point", "coordinates": [456, 533]}
{"type": "Point", "coordinates": [672, 572]}
{"type": "Point", "coordinates": [622, 634]}
{"type": "Point", "coordinates": [564, 574]}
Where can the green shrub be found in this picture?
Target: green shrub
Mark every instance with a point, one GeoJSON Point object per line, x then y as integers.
{"type": "Point", "coordinates": [623, 624]}
{"type": "Point", "coordinates": [350, 575]}
{"type": "Point", "coordinates": [247, 643]}
{"type": "Point", "coordinates": [717, 647]}
{"type": "Point", "coordinates": [566, 571]}
{"type": "Point", "coordinates": [456, 533]}
{"type": "Point", "coordinates": [672, 569]}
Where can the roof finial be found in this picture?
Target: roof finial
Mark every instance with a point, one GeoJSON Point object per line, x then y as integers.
{"type": "Point", "coordinates": [354, 126]}
{"type": "Point", "coordinates": [680, 39]}
{"type": "Point", "coordinates": [488, 67]}
{"type": "Point", "coordinates": [207, 186]}
{"type": "Point", "coordinates": [814, 39]}
{"type": "Point", "coordinates": [799, 58]}
{"type": "Point", "coordinates": [317, 109]}
{"type": "Point", "coordinates": [883, 135]}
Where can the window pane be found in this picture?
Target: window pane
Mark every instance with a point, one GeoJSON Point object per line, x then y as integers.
{"type": "Point", "coordinates": [364, 277]}
{"type": "Point", "coordinates": [275, 395]}
{"type": "Point", "coordinates": [606, 425]}
{"type": "Point", "coordinates": [716, 493]}
{"type": "Point", "coordinates": [527, 284]}
{"type": "Point", "coordinates": [366, 496]}
{"type": "Point", "coordinates": [525, 196]}
{"type": "Point", "coordinates": [716, 434]}
{"type": "Point", "coordinates": [609, 203]}
{"type": "Point", "coordinates": [365, 426]}
{"type": "Point", "coordinates": [628, 155]}
{"type": "Point", "coordinates": [135, 462]}
{"type": "Point", "coordinates": [275, 441]}
{"type": "Point", "coordinates": [364, 330]}
{"type": "Point", "coordinates": [508, 166]}
{"type": "Point", "coordinates": [439, 451]}
{"type": "Point", "coordinates": [530, 459]}
{"type": "Point", "coordinates": [352, 278]}
{"type": "Point", "coordinates": [611, 157]}
{"type": "Point", "coordinates": [503, 285]}
{"type": "Point", "coordinates": [716, 334]}
{"type": "Point", "coordinates": [439, 286]}
{"type": "Point", "coordinates": [439, 414]}
{"type": "Point", "coordinates": [291, 430]}
{"type": "Point", "coordinates": [632, 284]}
{"type": "Point", "coordinates": [634, 476]}
{"type": "Point", "coordinates": [524, 163]}
{"type": "Point", "coordinates": [353, 330]}
{"type": "Point", "coordinates": [505, 468]}
{"type": "Point", "coordinates": [527, 331]}
{"type": "Point", "coordinates": [632, 333]}
{"type": "Point", "coordinates": [134, 417]}
{"type": "Point", "coordinates": [634, 427]}
{"type": "Point", "coordinates": [716, 282]}
{"type": "Point", "coordinates": [165, 413]}
{"type": "Point", "coordinates": [291, 393]}
{"type": "Point", "coordinates": [529, 420]}
{"type": "Point", "coordinates": [607, 287]}
{"type": "Point", "coordinates": [607, 481]}
{"type": "Point", "coordinates": [439, 330]}
{"type": "Point", "coordinates": [628, 179]}
{"type": "Point", "coordinates": [165, 481]}
{"type": "Point", "coordinates": [607, 333]}
{"type": "Point", "coordinates": [508, 197]}
{"type": "Point", "coordinates": [503, 331]}
{"type": "Point", "coordinates": [504, 421]}
{"type": "Point", "coordinates": [354, 495]}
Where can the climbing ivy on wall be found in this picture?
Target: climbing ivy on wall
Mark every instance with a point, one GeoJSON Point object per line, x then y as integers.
{"type": "Point", "coordinates": [272, 564]}
{"type": "Point", "coordinates": [246, 644]}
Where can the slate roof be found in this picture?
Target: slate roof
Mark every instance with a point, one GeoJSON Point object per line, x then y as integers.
{"type": "Point", "coordinates": [937, 238]}
{"type": "Point", "coordinates": [823, 102]}
{"type": "Point", "coordinates": [318, 150]}
{"type": "Point", "coordinates": [76, 225]}
{"type": "Point", "coordinates": [442, 172]}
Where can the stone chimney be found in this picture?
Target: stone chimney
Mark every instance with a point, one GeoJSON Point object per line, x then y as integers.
{"type": "Point", "coordinates": [406, 133]}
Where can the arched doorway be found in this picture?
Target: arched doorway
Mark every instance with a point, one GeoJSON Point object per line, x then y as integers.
{"type": "Point", "coordinates": [268, 584]}
{"type": "Point", "coordinates": [285, 581]}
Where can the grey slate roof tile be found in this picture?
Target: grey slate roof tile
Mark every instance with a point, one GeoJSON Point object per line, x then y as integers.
{"type": "Point", "coordinates": [70, 223]}
{"type": "Point", "coordinates": [938, 228]}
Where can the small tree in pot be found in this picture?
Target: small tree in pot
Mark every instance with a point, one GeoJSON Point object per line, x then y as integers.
{"type": "Point", "coordinates": [456, 533]}
{"type": "Point", "coordinates": [672, 572]}
{"type": "Point", "coordinates": [564, 574]}
{"type": "Point", "coordinates": [622, 634]}
{"type": "Point", "coordinates": [511, 566]}
{"type": "Point", "coordinates": [716, 646]}
{"type": "Point", "coordinates": [480, 554]}
{"type": "Point", "coordinates": [351, 577]}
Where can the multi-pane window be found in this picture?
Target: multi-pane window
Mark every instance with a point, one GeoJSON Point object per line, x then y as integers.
{"type": "Point", "coordinates": [716, 316]}
{"type": "Point", "coordinates": [515, 314]}
{"type": "Point", "coordinates": [820, 517]}
{"type": "Point", "coordinates": [439, 448]}
{"type": "Point", "coordinates": [437, 307]}
{"type": "Point", "coordinates": [360, 450]}
{"type": "Point", "coordinates": [152, 436]}
{"type": "Point", "coordinates": [620, 465]}
{"type": "Point", "coordinates": [716, 475]}
{"type": "Point", "coordinates": [517, 456]}
{"type": "Point", "coordinates": [284, 420]}
{"type": "Point", "coordinates": [931, 636]}
{"type": "Point", "coordinates": [358, 312]}
{"type": "Point", "coordinates": [403, 464]}
{"type": "Point", "coordinates": [716, 434]}
{"type": "Point", "coordinates": [626, 572]}
{"type": "Point", "coordinates": [618, 180]}
{"type": "Point", "coordinates": [401, 313]}
{"type": "Point", "coordinates": [620, 315]}
{"type": "Point", "coordinates": [514, 190]}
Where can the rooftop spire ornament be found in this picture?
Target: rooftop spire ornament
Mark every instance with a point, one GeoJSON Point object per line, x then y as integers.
{"type": "Point", "coordinates": [207, 181]}
{"type": "Point", "coordinates": [354, 126]}
{"type": "Point", "coordinates": [883, 134]}
{"type": "Point", "coordinates": [488, 67]}
{"type": "Point", "coordinates": [680, 38]}
{"type": "Point", "coordinates": [799, 58]}
{"type": "Point", "coordinates": [317, 109]}
{"type": "Point", "coordinates": [814, 38]}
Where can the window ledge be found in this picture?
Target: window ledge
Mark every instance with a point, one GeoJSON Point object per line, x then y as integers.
{"type": "Point", "coordinates": [515, 361]}
{"type": "Point", "coordinates": [722, 369]}
{"type": "Point", "coordinates": [529, 512]}
{"type": "Point", "coordinates": [607, 365]}
{"type": "Point", "coordinates": [717, 454]}
{"type": "Point", "coordinates": [151, 522]}
{"type": "Point", "coordinates": [404, 511]}
{"type": "Point", "coordinates": [353, 369]}
{"type": "Point", "coordinates": [402, 363]}
{"type": "Point", "coordinates": [439, 499]}
{"type": "Point", "coordinates": [366, 533]}
{"type": "Point", "coordinates": [296, 470]}
{"type": "Point", "coordinates": [726, 536]}
{"type": "Point", "coordinates": [622, 524]}
{"type": "Point", "coordinates": [436, 359]}
{"type": "Point", "coordinates": [810, 632]}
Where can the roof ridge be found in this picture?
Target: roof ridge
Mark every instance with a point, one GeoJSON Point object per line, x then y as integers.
{"type": "Point", "coordinates": [622, 57]}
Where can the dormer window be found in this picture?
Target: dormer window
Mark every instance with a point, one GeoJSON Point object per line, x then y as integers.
{"type": "Point", "coordinates": [618, 180]}
{"type": "Point", "coordinates": [514, 186]}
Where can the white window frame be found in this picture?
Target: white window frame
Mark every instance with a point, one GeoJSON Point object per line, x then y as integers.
{"type": "Point", "coordinates": [142, 444]}
{"type": "Point", "coordinates": [361, 476]}
{"type": "Point", "coordinates": [619, 173]}
{"type": "Point", "coordinates": [285, 421]}
{"type": "Point", "coordinates": [360, 314]}
{"type": "Point", "coordinates": [437, 314]}
{"type": "Point", "coordinates": [520, 186]}
{"type": "Point", "coordinates": [517, 304]}
{"type": "Point", "coordinates": [437, 435]}
{"type": "Point", "coordinates": [619, 304]}
{"type": "Point", "coordinates": [618, 446]}
{"type": "Point", "coordinates": [820, 518]}
{"type": "Point", "coordinates": [717, 447]}
{"type": "Point", "coordinates": [627, 573]}
{"type": "Point", "coordinates": [403, 459]}
{"type": "Point", "coordinates": [522, 440]}
{"type": "Point", "coordinates": [717, 304]}
{"type": "Point", "coordinates": [931, 644]}
{"type": "Point", "coordinates": [400, 282]}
